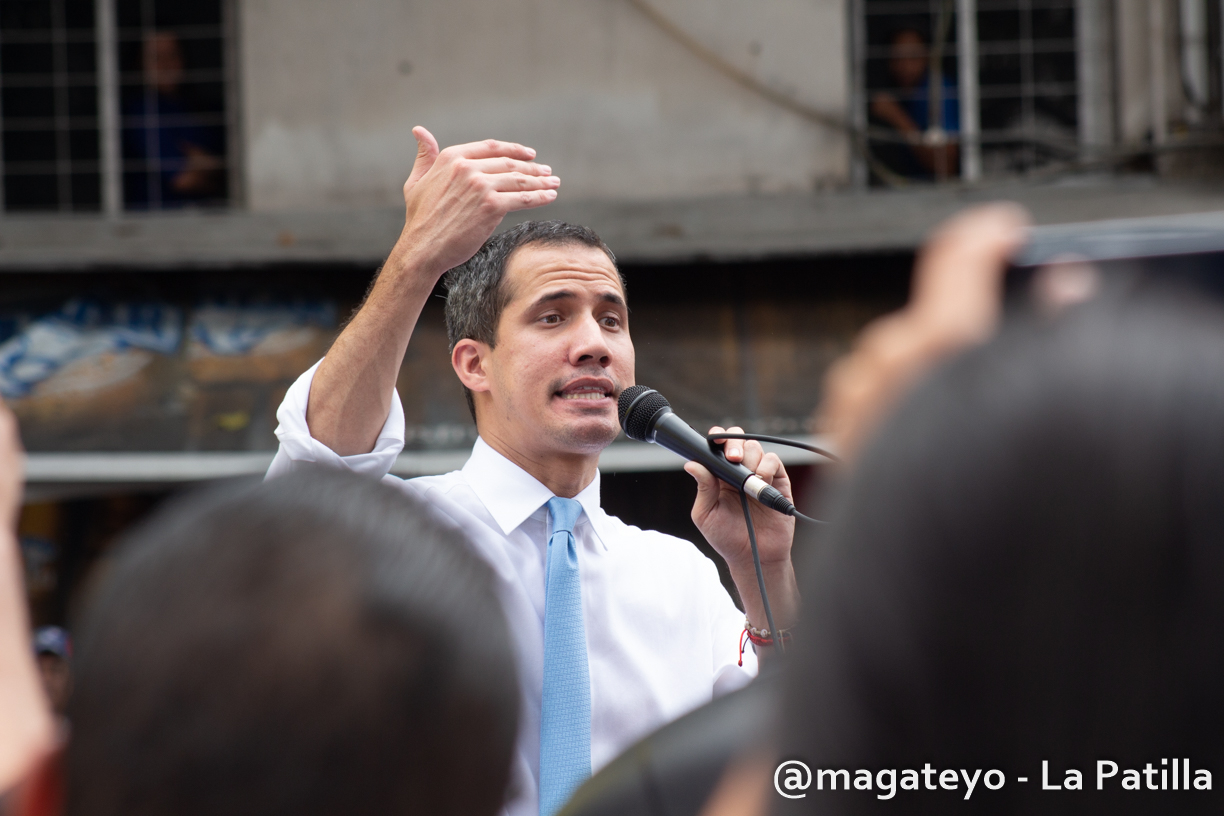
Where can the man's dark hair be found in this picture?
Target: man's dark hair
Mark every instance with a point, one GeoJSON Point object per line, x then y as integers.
{"type": "Point", "coordinates": [1028, 565]}
{"type": "Point", "coordinates": [897, 25]}
{"type": "Point", "coordinates": [319, 644]}
{"type": "Point", "coordinates": [476, 292]}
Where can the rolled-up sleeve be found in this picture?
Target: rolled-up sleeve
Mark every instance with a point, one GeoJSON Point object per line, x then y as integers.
{"type": "Point", "coordinates": [297, 445]}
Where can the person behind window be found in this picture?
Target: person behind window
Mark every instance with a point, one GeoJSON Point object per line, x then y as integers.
{"type": "Point", "coordinates": [171, 158]}
{"type": "Point", "coordinates": [927, 154]}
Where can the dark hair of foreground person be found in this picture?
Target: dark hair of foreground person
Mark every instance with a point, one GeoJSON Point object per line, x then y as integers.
{"type": "Point", "coordinates": [318, 644]}
{"type": "Point", "coordinates": [1027, 566]}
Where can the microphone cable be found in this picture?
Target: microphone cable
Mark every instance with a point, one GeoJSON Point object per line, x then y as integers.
{"type": "Point", "coordinates": [752, 540]}
{"type": "Point", "coordinates": [756, 562]}
{"type": "Point", "coordinates": [777, 440]}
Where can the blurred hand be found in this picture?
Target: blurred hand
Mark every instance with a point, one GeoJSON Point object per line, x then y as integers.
{"type": "Point", "coordinates": [955, 303]}
{"type": "Point", "coordinates": [455, 198]}
{"type": "Point", "coordinates": [12, 470]}
{"type": "Point", "coordinates": [202, 173]}
{"type": "Point", "coordinates": [886, 107]}
{"type": "Point", "coordinates": [26, 730]}
{"type": "Point", "coordinates": [719, 515]}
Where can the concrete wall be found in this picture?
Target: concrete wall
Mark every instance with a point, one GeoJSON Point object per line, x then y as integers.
{"type": "Point", "coordinates": [619, 108]}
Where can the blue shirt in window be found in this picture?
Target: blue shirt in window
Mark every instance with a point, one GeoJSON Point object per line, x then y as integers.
{"type": "Point", "coordinates": [917, 104]}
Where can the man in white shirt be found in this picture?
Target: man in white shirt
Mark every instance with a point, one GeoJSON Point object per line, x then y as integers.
{"type": "Point", "coordinates": [539, 330]}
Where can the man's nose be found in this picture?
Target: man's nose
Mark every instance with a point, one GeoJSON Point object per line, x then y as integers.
{"type": "Point", "coordinates": [590, 343]}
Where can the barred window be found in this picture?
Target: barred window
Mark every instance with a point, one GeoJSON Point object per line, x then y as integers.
{"type": "Point", "coordinates": [1027, 81]}
{"type": "Point", "coordinates": [123, 109]}
{"type": "Point", "coordinates": [172, 103]}
{"type": "Point", "coordinates": [1025, 85]}
{"type": "Point", "coordinates": [49, 105]}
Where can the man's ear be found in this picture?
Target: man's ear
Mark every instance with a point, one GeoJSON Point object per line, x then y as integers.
{"type": "Point", "coordinates": [470, 360]}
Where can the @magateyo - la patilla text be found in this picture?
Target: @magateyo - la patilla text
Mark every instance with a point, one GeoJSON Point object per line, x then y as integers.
{"type": "Point", "coordinates": [794, 779]}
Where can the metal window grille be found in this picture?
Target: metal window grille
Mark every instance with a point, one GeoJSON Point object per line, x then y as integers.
{"type": "Point", "coordinates": [48, 106]}
{"type": "Point", "coordinates": [173, 121]}
{"type": "Point", "coordinates": [1015, 112]}
{"type": "Point", "coordinates": [1027, 81]}
{"type": "Point", "coordinates": [87, 124]}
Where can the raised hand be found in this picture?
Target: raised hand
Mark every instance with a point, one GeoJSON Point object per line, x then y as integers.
{"type": "Point", "coordinates": [453, 201]}
{"type": "Point", "coordinates": [455, 198]}
{"type": "Point", "coordinates": [12, 470]}
{"type": "Point", "coordinates": [427, 154]}
{"type": "Point", "coordinates": [26, 730]}
{"type": "Point", "coordinates": [956, 301]}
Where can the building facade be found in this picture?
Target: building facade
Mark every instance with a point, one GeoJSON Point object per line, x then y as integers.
{"type": "Point", "coordinates": [196, 194]}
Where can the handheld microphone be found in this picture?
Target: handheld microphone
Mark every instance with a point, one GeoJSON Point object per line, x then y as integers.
{"type": "Point", "coordinates": [646, 416]}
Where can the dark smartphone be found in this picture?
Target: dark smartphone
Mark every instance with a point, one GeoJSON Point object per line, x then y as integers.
{"type": "Point", "coordinates": [1119, 257]}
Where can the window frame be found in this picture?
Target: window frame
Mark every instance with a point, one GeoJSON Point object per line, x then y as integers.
{"type": "Point", "coordinates": [109, 123]}
{"type": "Point", "coordinates": [1091, 81]}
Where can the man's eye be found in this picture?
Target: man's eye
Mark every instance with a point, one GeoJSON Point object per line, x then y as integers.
{"type": "Point", "coordinates": [611, 322]}
{"type": "Point", "coordinates": [551, 319]}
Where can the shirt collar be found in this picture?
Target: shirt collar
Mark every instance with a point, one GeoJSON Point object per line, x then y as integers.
{"type": "Point", "coordinates": [512, 495]}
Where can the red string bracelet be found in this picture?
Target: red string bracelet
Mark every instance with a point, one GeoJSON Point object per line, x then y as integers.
{"type": "Point", "coordinates": [757, 640]}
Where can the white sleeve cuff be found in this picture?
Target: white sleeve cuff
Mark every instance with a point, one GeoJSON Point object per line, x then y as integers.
{"type": "Point", "coordinates": [297, 445]}
{"type": "Point", "coordinates": [733, 678]}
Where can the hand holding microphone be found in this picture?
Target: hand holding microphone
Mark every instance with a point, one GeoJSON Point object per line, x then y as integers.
{"type": "Point", "coordinates": [723, 516]}
{"type": "Point", "coordinates": [646, 416]}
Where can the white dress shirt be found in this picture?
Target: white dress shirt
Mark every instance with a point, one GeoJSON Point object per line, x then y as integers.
{"type": "Point", "coordinates": [662, 633]}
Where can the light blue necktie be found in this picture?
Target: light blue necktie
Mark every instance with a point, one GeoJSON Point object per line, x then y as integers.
{"type": "Point", "coordinates": [565, 718]}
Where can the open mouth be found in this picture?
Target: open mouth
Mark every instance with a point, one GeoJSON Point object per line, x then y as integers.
{"type": "Point", "coordinates": [587, 390]}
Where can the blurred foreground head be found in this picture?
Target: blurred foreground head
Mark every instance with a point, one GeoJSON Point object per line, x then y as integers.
{"type": "Point", "coordinates": [1028, 565]}
{"type": "Point", "coordinates": [318, 644]}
